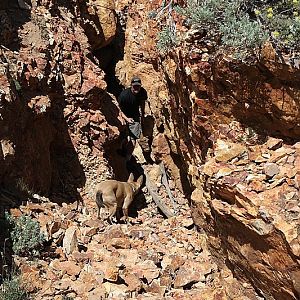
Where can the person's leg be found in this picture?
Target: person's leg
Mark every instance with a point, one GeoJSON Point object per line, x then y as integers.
{"type": "Point", "coordinates": [133, 133]}
{"type": "Point", "coordinates": [124, 143]}
{"type": "Point", "coordinates": [130, 148]}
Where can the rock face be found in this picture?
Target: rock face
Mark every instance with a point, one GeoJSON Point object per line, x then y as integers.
{"type": "Point", "coordinates": [230, 129]}
{"type": "Point", "coordinates": [251, 214]}
{"type": "Point", "coordinates": [100, 22]}
{"type": "Point", "coordinates": [226, 131]}
{"type": "Point", "coordinates": [55, 114]}
{"type": "Point", "coordinates": [267, 90]}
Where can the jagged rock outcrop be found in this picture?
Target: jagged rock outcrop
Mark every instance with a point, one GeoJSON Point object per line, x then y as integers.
{"type": "Point", "coordinates": [56, 115]}
{"type": "Point", "coordinates": [248, 204]}
{"type": "Point", "coordinates": [214, 118]}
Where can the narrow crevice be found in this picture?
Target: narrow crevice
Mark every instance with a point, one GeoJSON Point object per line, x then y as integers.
{"type": "Point", "coordinates": [110, 55]}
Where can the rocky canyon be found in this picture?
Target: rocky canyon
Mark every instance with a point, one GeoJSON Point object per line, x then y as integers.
{"type": "Point", "coordinates": [220, 150]}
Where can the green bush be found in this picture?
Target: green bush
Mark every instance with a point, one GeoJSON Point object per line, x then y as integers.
{"type": "Point", "coordinates": [67, 298]}
{"type": "Point", "coordinates": [229, 21]}
{"type": "Point", "coordinates": [283, 23]}
{"type": "Point", "coordinates": [242, 25]}
{"type": "Point", "coordinates": [25, 235]}
{"type": "Point", "coordinates": [205, 14]}
{"type": "Point", "coordinates": [166, 39]}
{"type": "Point", "coordinates": [11, 289]}
{"type": "Point", "coordinates": [242, 34]}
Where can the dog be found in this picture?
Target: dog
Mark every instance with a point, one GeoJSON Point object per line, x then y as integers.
{"type": "Point", "coordinates": [115, 195]}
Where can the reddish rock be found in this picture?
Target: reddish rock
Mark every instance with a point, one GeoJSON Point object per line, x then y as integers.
{"type": "Point", "coordinates": [257, 186]}
{"type": "Point", "coordinates": [150, 254]}
{"type": "Point", "coordinates": [273, 143]}
{"type": "Point", "coordinates": [54, 227]}
{"type": "Point", "coordinates": [120, 243]}
{"type": "Point", "coordinates": [166, 279]}
{"type": "Point", "coordinates": [85, 283]}
{"type": "Point", "coordinates": [109, 269]}
{"type": "Point", "coordinates": [137, 233]}
{"type": "Point", "coordinates": [172, 263]}
{"type": "Point", "coordinates": [35, 207]}
{"type": "Point", "coordinates": [15, 212]}
{"type": "Point", "coordinates": [98, 292]}
{"type": "Point", "coordinates": [255, 231]}
{"type": "Point", "coordinates": [280, 153]}
{"type": "Point", "coordinates": [94, 223]}
{"type": "Point", "coordinates": [156, 288]}
{"type": "Point", "coordinates": [133, 282]}
{"type": "Point", "coordinates": [226, 151]}
{"type": "Point", "coordinates": [191, 273]}
{"type": "Point", "coordinates": [71, 215]}
{"type": "Point", "coordinates": [128, 257]}
{"type": "Point", "coordinates": [68, 267]}
{"type": "Point", "coordinates": [31, 278]}
{"type": "Point", "coordinates": [89, 232]}
{"type": "Point", "coordinates": [146, 269]}
{"type": "Point", "coordinates": [114, 231]}
{"type": "Point", "coordinates": [297, 181]}
{"type": "Point", "coordinates": [82, 256]}
{"type": "Point", "coordinates": [70, 242]}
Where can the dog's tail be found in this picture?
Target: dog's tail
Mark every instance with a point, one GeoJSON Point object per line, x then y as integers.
{"type": "Point", "coordinates": [99, 199]}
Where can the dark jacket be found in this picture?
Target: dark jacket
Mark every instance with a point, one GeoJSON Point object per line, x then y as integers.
{"type": "Point", "coordinates": [130, 103]}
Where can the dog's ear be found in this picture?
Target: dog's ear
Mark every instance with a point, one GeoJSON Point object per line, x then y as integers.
{"type": "Point", "coordinates": [140, 180]}
{"type": "Point", "coordinates": [130, 178]}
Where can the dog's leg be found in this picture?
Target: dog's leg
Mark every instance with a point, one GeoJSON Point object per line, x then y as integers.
{"type": "Point", "coordinates": [112, 211]}
{"type": "Point", "coordinates": [125, 207]}
{"type": "Point", "coordinates": [118, 213]}
{"type": "Point", "coordinates": [102, 212]}
{"type": "Point", "coordinates": [99, 201]}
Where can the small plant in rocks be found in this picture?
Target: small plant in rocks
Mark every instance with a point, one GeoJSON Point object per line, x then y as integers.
{"type": "Point", "coordinates": [166, 39]}
{"type": "Point", "coordinates": [67, 298]}
{"type": "Point", "coordinates": [11, 289]}
{"type": "Point", "coordinates": [25, 235]}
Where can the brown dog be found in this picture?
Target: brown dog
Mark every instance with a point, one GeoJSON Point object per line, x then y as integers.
{"type": "Point", "coordinates": [114, 195]}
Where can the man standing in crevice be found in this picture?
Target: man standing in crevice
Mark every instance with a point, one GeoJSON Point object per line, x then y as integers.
{"type": "Point", "coordinates": [132, 103]}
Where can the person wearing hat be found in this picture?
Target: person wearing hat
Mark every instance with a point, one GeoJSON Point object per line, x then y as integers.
{"type": "Point", "coordinates": [132, 103]}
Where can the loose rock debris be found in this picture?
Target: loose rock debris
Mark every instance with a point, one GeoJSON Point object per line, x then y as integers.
{"type": "Point", "coordinates": [150, 258]}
